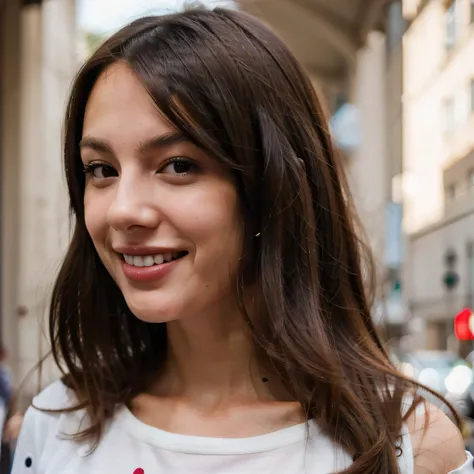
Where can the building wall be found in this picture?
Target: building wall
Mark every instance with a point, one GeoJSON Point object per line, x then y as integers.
{"type": "Point", "coordinates": [10, 144]}
{"type": "Point", "coordinates": [394, 240]}
{"type": "Point", "coordinates": [372, 168]}
{"type": "Point", "coordinates": [369, 160]}
{"type": "Point", "coordinates": [439, 139]}
{"type": "Point", "coordinates": [434, 77]}
{"type": "Point", "coordinates": [395, 28]}
{"type": "Point", "coordinates": [431, 303]}
{"type": "Point", "coordinates": [362, 84]}
{"type": "Point", "coordinates": [39, 64]}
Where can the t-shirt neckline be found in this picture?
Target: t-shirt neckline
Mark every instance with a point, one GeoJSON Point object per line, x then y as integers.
{"type": "Point", "coordinates": [191, 444]}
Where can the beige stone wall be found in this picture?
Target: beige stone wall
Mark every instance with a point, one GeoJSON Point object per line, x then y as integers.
{"type": "Point", "coordinates": [436, 155]}
{"type": "Point", "coordinates": [428, 299]}
{"type": "Point", "coordinates": [377, 92]}
{"type": "Point", "coordinates": [41, 60]}
{"type": "Point", "coordinates": [432, 77]}
{"type": "Point", "coordinates": [10, 144]}
{"type": "Point", "coordinates": [394, 90]}
{"type": "Point", "coordinates": [367, 167]}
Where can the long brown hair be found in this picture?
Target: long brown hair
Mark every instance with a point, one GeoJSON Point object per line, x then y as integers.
{"type": "Point", "coordinates": [234, 88]}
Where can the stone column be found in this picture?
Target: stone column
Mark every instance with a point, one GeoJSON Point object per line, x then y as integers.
{"type": "Point", "coordinates": [48, 63]}
{"type": "Point", "coordinates": [9, 172]}
{"type": "Point", "coordinates": [58, 68]}
{"type": "Point", "coordinates": [370, 189]}
{"type": "Point", "coordinates": [31, 193]}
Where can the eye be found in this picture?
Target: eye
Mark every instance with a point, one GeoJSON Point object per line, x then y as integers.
{"type": "Point", "coordinates": [178, 166]}
{"type": "Point", "coordinates": [100, 170]}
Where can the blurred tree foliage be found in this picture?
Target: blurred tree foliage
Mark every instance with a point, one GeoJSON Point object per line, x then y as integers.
{"type": "Point", "coordinates": [93, 41]}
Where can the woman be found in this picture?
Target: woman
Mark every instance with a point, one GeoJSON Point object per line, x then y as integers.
{"type": "Point", "coordinates": [210, 315]}
{"type": "Point", "coordinates": [6, 425]}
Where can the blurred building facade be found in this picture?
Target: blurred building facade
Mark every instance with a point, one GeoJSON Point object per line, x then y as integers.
{"type": "Point", "coordinates": [37, 63]}
{"type": "Point", "coordinates": [398, 77]}
{"type": "Point", "coordinates": [438, 173]}
{"type": "Point", "coordinates": [353, 49]}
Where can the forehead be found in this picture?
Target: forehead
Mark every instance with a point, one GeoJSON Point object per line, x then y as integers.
{"type": "Point", "coordinates": [120, 107]}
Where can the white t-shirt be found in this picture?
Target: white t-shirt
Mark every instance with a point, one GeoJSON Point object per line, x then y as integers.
{"type": "Point", "coordinates": [132, 447]}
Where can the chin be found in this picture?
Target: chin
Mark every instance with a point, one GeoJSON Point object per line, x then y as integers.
{"type": "Point", "coordinates": [153, 311]}
{"type": "Point", "coordinates": [153, 317]}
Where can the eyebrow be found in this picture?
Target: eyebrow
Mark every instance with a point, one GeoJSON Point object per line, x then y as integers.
{"type": "Point", "coordinates": [162, 141]}
{"type": "Point", "coordinates": [95, 144]}
{"type": "Point", "coordinates": [165, 140]}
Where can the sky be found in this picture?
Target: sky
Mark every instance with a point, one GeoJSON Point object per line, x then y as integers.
{"type": "Point", "coordinates": [105, 16]}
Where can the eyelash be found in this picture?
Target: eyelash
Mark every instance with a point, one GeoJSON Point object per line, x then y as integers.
{"type": "Point", "coordinates": [181, 159]}
{"type": "Point", "coordinates": [90, 167]}
{"type": "Point", "coordinates": [93, 165]}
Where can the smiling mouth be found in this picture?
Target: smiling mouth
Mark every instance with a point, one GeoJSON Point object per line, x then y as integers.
{"type": "Point", "coordinates": [151, 260]}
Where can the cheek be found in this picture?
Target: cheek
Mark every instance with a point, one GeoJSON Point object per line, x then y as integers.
{"type": "Point", "coordinates": [215, 225]}
{"type": "Point", "coordinates": [94, 216]}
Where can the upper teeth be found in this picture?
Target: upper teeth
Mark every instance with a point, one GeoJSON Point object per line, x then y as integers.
{"type": "Point", "coordinates": [149, 260]}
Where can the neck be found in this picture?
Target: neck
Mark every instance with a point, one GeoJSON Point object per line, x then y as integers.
{"type": "Point", "coordinates": [212, 360]}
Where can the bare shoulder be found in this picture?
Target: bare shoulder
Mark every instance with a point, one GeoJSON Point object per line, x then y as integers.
{"type": "Point", "coordinates": [438, 445]}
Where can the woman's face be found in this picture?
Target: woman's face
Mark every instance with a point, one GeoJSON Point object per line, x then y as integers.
{"type": "Point", "coordinates": [162, 214]}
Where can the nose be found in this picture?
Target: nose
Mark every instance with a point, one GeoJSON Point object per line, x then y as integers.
{"type": "Point", "coordinates": [132, 206]}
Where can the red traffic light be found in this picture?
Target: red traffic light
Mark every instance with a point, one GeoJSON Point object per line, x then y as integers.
{"type": "Point", "coordinates": [464, 325]}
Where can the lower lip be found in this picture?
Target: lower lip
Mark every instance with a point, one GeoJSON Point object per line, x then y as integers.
{"type": "Point", "coordinates": [153, 273]}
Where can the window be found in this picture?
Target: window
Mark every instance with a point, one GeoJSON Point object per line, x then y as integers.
{"type": "Point", "coordinates": [450, 192]}
{"type": "Point", "coordinates": [471, 91]}
{"type": "Point", "coordinates": [449, 115]}
{"type": "Point", "coordinates": [339, 101]}
{"type": "Point", "coordinates": [470, 272]}
{"type": "Point", "coordinates": [451, 27]}
{"type": "Point", "coordinates": [396, 24]}
{"type": "Point", "coordinates": [471, 179]}
{"type": "Point", "coordinates": [456, 109]}
{"type": "Point", "coordinates": [461, 106]}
